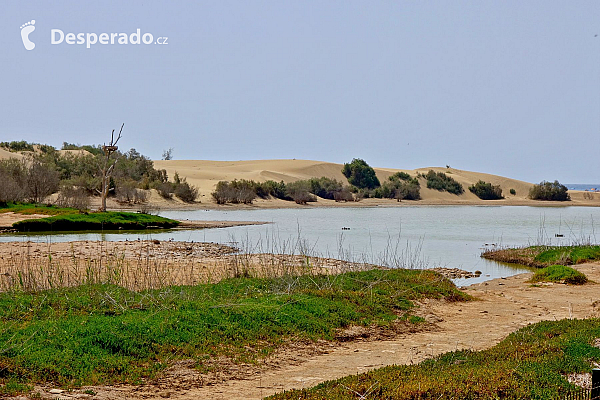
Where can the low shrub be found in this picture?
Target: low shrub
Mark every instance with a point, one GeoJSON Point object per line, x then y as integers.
{"type": "Point", "coordinates": [73, 197]}
{"type": "Point", "coordinates": [442, 182]}
{"type": "Point", "coordinates": [235, 192]}
{"type": "Point", "coordinates": [300, 192]}
{"type": "Point", "coordinates": [270, 188]}
{"type": "Point", "coordinates": [513, 192]}
{"type": "Point", "coordinates": [344, 195]}
{"type": "Point", "coordinates": [550, 191]}
{"type": "Point", "coordinates": [401, 186]}
{"type": "Point", "coordinates": [325, 187]}
{"type": "Point", "coordinates": [165, 190]}
{"type": "Point", "coordinates": [186, 192]}
{"type": "Point", "coordinates": [559, 273]}
{"type": "Point", "coordinates": [486, 191]}
{"type": "Point", "coordinates": [128, 193]}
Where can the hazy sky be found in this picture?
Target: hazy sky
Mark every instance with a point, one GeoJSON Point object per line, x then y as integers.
{"type": "Point", "coordinates": [505, 87]}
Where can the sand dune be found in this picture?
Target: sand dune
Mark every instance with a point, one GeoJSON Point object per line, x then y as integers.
{"type": "Point", "coordinates": [206, 174]}
{"type": "Point", "coordinates": [5, 154]}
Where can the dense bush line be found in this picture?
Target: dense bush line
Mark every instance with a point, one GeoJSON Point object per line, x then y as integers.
{"type": "Point", "coordinates": [552, 191]}
{"type": "Point", "coordinates": [45, 170]}
{"type": "Point", "coordinates": [302, 191]}
{"type": "Point", "coordinates": [486, 191]}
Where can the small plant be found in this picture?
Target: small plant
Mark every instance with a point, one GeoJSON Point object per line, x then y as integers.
{"type": "Point", "coordinates": [513, 192]}
{"type": "Point", "coordinates": [559, 273]}
{"type": "Point", "coordinates": [486, 191]}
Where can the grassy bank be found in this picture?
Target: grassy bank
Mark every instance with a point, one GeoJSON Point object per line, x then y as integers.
{"type": "Point", "coordinates": [106, 334]}
{"type": "Point", "coordinates": [544, 256]}
{"type": "Point", "coordinates": [531, 363]}
{"type": "Point", "coordinates": [111, 220]}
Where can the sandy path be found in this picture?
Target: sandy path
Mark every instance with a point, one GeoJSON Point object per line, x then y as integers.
{"type": "Point", "coordinates": [504, 306]}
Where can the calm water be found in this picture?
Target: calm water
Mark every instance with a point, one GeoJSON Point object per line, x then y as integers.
{"type": "Point", "coordinates": [451, 236]}
{"type": "Point", "coordinates": [583, 186]}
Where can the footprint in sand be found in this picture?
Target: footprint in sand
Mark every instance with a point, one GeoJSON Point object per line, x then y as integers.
{"type": "Point", "coordinates": [26, 29]}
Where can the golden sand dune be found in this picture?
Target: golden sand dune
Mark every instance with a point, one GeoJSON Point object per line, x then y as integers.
{"type": "Point", "coordinates": [5, 154]}
{"type": "Point", "coordinates": [206, 174]}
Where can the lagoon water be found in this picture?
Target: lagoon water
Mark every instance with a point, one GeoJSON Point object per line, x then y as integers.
{"type": "Point", "coordinates": [449, 236]}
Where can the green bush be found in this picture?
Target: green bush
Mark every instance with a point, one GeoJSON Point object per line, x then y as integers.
{"type": "Point", "coordinates": [513, 192]}
{"type": "Point", "coordinates": [300, 192]}
{"type": "Point", "coordinates": [442, 182]}
{"type": "Point", "coordinates": [400, 186]}
{"type": "Point", "coordinates": [243, 191]}
{"type": "Point", "coordinates": [271, 188]}
{"type": "Point", "coordinates": [551, 191]}
{"type": "Point", "coordinates": [325, 187]}
{"type": "Point", "coordinates": [20, 145]}
{"type": "Point", "coordinates": [165, 190]}
{"type": "Point", "coordinates": [486, 191]}
{"type": "Point", "coordinates": [360, 174]}
{"type": "Point", "coordinates": [559, 273]}
{"type": "Point", "coordinates": [403, 176]}
{"type": "Point", "coordinates": [186, 192]}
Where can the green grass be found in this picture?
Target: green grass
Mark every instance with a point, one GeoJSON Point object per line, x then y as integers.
{"type": "Point", "coordinates": [106, 334]}
{"type": "Point", "coordinates": [559, 273]}
{"type": "Point", "coordinates": [29, 208]}
{"type": "Point", "coordinates": [544, 256]}
{"type": "Point", "coordinates": [94, 221]}
{"type": "Point", "coordinates": [529, 364]}
{"type": "Point", "coordinates": [573, 254]}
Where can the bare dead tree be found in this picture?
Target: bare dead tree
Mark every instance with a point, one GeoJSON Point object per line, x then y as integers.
{"type": "Point", "coordinates": [109, 164]}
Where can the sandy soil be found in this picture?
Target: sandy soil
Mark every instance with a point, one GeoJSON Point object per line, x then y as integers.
{"type": "Point", "coordinates": [9, 218]}
{"type": "Point", "coordinates": [503, 306]}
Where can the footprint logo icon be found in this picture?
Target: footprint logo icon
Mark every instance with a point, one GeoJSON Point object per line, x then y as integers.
{"type": "Point", "coordinates": [26, 29]}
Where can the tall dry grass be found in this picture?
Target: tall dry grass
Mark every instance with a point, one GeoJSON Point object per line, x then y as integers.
{"type": "Point", "coordinates": [142, 265]}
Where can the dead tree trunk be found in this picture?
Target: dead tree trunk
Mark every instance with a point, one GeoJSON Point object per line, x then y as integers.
{"type": "Point", "coordinates": [109, 165]}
